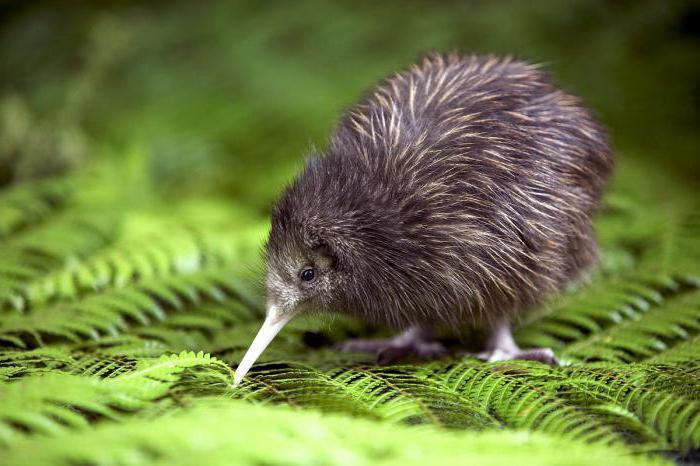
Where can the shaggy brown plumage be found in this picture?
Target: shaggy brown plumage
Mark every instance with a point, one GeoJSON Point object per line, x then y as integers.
{"type": "Point", "coordinates": [458, 191]}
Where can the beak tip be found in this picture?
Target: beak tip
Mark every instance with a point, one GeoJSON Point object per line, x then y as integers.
{"type": "Point", "coordinates": [272, 325]}
{"type": "Point", "coordinates": [237, 378]}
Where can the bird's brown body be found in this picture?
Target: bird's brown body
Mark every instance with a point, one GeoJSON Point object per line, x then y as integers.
{"type": "Point", "coordinates": [457, 192]}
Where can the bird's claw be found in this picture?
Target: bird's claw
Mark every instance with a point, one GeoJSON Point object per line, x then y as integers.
{"type": "Point", "coordinates": [545, 355]}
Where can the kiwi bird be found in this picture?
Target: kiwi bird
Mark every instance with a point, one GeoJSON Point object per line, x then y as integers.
{"type": "Point", "coordinates": [457, 192]}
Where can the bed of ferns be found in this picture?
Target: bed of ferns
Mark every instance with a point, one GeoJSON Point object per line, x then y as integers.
{"type": "Point", "coordinates": [134, 202]}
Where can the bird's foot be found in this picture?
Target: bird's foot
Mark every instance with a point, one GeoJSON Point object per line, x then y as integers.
{"type": "Point", "coordinates": [502, 347]}
{"type": "Point", "coordinates": [545, 355]}
{"type": "Point", "coordinates": [412, 342]}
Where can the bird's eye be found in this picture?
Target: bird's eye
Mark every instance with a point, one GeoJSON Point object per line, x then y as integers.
{"type": "Point", "coordinates": [307, 274]}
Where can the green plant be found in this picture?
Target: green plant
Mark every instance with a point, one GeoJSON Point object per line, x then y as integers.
{"type": "Point", "coordinates": [130, 285]}
{"type": "Point", "coordinates": [109, 317]}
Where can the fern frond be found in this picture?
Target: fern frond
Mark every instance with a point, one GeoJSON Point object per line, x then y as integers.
{"type": "Point", "coordinates": [656, 395]}
{"type": "Point", "coordinates": [94, 305]}
{"type": "Point", "coordinates": [30, 203]}
{"type": "Point", "coordinates": [15, 364]}
{"type": "Point", "coordinates": [115, 311]}
{"type": "Point", "coordinates": [657, 330]}
{"type": "Point", "coordinates": [513, 393]}
{"type": "Point", "coordinates": [682, 352]}
{"type": "Point", "coordinates": [182, 251]}
{"type": "Point", "coordinates": [592, 310]}
{"type": "Point", "coordinates": [62, 241]}
{"type": "Point", "coordinates": [50, 404]}
{"type": "Point", "coordinates": [393, 395]}
{"type": "Point", "coordinates": [248, 434]}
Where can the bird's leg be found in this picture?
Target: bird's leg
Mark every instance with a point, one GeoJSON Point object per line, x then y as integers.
{"type": "Point", "coordinates": [414, 341]}
{"type": "Point", "coordinates": [501, 346]}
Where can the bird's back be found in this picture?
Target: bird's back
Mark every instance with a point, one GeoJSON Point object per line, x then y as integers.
{"type": "Point", "coordinates": [489, 173]}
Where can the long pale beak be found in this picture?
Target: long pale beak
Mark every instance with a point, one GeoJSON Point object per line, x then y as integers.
{"type": "Point", "coordinates": [271, 327]}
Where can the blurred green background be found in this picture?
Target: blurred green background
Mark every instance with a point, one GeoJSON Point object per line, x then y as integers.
{"type": "Point", "coordinates": [227, 97]}
{"type": "Point", "coordinates": [142, 145]}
